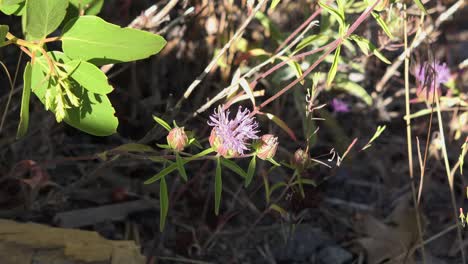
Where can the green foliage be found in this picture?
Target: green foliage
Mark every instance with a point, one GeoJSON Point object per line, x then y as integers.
{"type": "Point", "coordinates": [69, 83]}
{"type": "Point", "coordinates": [43, 17]}
{"type": "Point", "coordinates": [24, 112]}
{"type": "Point", "coordinates": [251, 170]}
{"type": "Point", "coordinates": [92, 39]}
{"type": "Point", "coordinates": [163, 203]}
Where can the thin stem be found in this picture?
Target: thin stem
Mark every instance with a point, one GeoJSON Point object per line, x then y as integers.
{"type": "Point", "coordinates": [408, 131]}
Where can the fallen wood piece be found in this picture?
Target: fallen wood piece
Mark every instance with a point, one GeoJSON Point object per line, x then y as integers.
{"type": "Point", "coordinates": [35, 243]}
{"type": "Point", "coordinates": [114, 212]}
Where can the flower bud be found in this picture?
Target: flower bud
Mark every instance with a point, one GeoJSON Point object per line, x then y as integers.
{"type": "Point", "coordinates": [268, 144]}
{"type": "Point", "coordinates": [216, 142]}
{"type": "Point", "coordinates": [177, 139]}
{"type": "Point", "coordinates": [300, 159]}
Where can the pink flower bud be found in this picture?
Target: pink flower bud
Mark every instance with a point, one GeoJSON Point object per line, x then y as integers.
{"type": "Point", "coordinates": [216, 142]}
{"type": "Point", "coordinates": [268, 144]}
{"type": "Point", "coordinates": [300, 159]}
{"type": "Point", "coordinates": [177, 139]}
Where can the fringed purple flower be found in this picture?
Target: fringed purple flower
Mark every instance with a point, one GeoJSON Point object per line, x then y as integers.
{"type": "Point", "coordinates": [339, 106]}
{"type": "Point", "coordinates": [431, 75]}
{"type": "Point", "coordinates": [229, 137]}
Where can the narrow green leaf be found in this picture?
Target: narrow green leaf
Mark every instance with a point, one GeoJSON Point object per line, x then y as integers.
{"type": "Point", "coordinates": [134, 147]}
{"type": "Point", "coordinates": [162, 173]}
{"type": "Point", "coordinates": [218, 186]}
{"type": "Point", "coordinates": [276, 186]}
{"type": "Point", "coordinates": [89, 76]}
{"type": "Point", "coordinates": [273, 4]}
{"type": "Point", "coordinates": [382, 24]}
{"type": "Point", "coordinates": [365, 45]}
{"type": "Point", "coordinates": [334, 67]}
{"type": "Point", "coordinates": [278, 209]}
{"type": "Point", "coordinates": [282, 124]}
{"type": "Point", "coordinates": [378, 132]}
{"type": "Point", "coordinates": [251, 170]}
{"type": "Point", "coordinates": [461, 158]}
{"type": "Point", "coordinates": [335, 13]}
{"type": "Point", "coordinates": [180, 167]}
{"type": "Point", "coordinates": [24, 112]}
{"type": "Point", "coordinates": [272, 161]}
{"type": "Point", "coordinates": [421, 6]}
{"type": "Point", "coordinates": [162, 123]}
{"type": "Point", "coordinates": [355, 90]}
{"type": "Point", "coordinates": [163, 203]}
{"type": "Point", "coordinates": [234, 167]}
{"type": "Point", "coordinates": [92, 39]}
{"type": "Point", "coordinates": [248, 91]}
{"type": "Point", "coordinates": [43, 17]}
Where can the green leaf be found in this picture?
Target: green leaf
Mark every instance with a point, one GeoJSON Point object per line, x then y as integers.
{"type": "Point", "coordinates": [382, 24]}
{"type": "Point", "coordinates": [355, 90]}
{"type": "Point", "coordinates": [282, 124]}
{"type": "Point", "coordinates": [334, 67]}
{"type": "Point", "coordinates": [89, 76]}
{"type": "Point", "coordinates": [90, 7]}
{"type": "Point", "coordinates": [94, 115]}
{"type": "Point", "coordinates": [162, 173]}
{"type": "Point", "coordinates": [377, 134]}
{"type": "Point", "coordinates": [43, 17]}
{"type": "Point", "coordinates": [365, 45]}
{"type": "Point", "coordinates": [218, 185]}
{"type": "Point", "coordinates": [93, 39]}
{"type": "Point", "coordinates": [248, 91]}
{"type": "Point", "coordinates": [251, 170]}
{"type": "Point", "coordinates": [162, 123]}
{"type": "Point", "coordinates": [163, 203]}
{"type": "Point", "coordinates": [16, 9]}
{"type": "Point", "coordinates": [274, 162]}
{"type": "Point", "coordinates": [180, 167]}
{"type": "Point", "coordinates": [234, 167]}
{"type": "Point", "coordinates": [134, 147]}
{"type": "Point", "coordinates": [10, 2]}
{"type": "Point", "coordinates": [421, 6]}
{"type": "Point", "coordinates": [24, 112]}
{"type": "Point", "coordinates": [339, 16]}
{"type": "Point", "coordinates": [3, 32]}
{"type": "Point", "coordinates": [273, 4]}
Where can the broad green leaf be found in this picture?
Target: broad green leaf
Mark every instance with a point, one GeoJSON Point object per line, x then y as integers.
{"type": "Point", "coordinates": [162, 173]}
{"type": "Point", "coordinates": [89, 76]}
{"type": "Point", "coordinates": [248, 91]}
{"type": "Point", "coordinates": [251, 170]}
{"type": "Point", "coordinates": [180, 167]}
{"type": "Point", "coordinates": [356, 90]}
{"type": "Point", "coordinates": [365, 45]}
{"type": "Point", "coordinates": [10, 2]}
{"type": "Point", "coordinates": [3, 32]}
{"type": "Point", "coordinates": [334, 67]}
{"type": "Point", "coordinates": [93, 39]}
{"type": "Point", "coordinates": [24, 112]}
{"type": "Point", "coordinates": [89, 7]}
{"type": "Point", "coordinates": [162, 123]}
{"type": "Point", "coordinates": [282, 124]}
{"type": "Point", "coordinates": [218, 185]}
{"type": "Point", "coordinates": [16, 9]}
{"type": "Point", "coordinates": [163, 203]}
{"type": "Point", "coordinates": [94, 115]}
{"type": "Point", "coordinates": [234, 167]}
{"type": "Point", "coordinates": [382, 24]}
{"type": "Point", "coordinates": [43, 17]}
